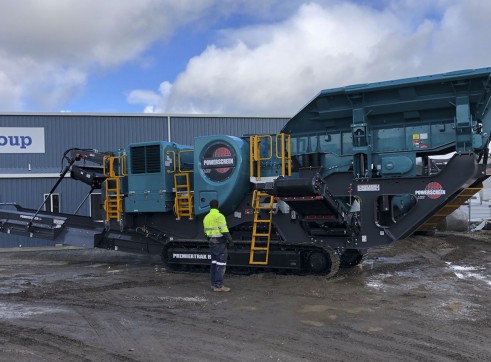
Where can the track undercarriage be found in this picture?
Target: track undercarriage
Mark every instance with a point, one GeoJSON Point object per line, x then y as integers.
{"type": "Point", "coordinates": [294, 258]}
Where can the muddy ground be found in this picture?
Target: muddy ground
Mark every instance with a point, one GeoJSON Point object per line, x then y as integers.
{"type": "Point", "coordinates": [421, 299]}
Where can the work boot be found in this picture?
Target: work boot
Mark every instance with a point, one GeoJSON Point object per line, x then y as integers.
{"type": "Point", "coordinates": [221, 289]}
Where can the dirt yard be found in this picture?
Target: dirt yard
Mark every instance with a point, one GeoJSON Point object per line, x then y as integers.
{"type": "Point", "coordinates": [422, 299]}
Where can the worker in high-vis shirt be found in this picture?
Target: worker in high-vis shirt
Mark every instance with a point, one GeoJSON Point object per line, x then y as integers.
{"type": "Point", "coordinates": [218, 236]}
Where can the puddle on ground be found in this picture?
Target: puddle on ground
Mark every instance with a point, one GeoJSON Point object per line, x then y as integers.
{"type": "Point", "coordinates": [414, 280]}
{"type": "Point", "coordinates": [456, 309]}
{"type": "Point", "coordinates": [12, 284]}
{"type": "Point", "coordinates": [99, 265]}
{"type": "Point", "coordinates": [320, 308]}
{"type": "Point", "coordinates": [382, 260]}
{"type": "Point", "coordinates": [17, 311]}
{"type": "Point", "coordinates": [315, 308]}
{"type": "Point", "coordinates": [312, 323]}
{"type": "Point", "coordinates": [409, 279]}
{"type": "Point", "coordinates": [469, 272]}
{"type": "Point", "coordinates": [388, 260]}
{"type": "Point", "coordinates": [247, 307]}
{"type": "Point", "coordinates": [375, 329]}
{"type": "Point", "coordinates": [183, 299]}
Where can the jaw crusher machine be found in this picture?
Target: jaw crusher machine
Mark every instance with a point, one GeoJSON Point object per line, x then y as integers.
{"type": "Point", "coordinates": [351, 171]}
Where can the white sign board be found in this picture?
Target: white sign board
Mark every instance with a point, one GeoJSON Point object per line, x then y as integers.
{"type": "Point", "coordinates": [373, 187]}
{"type": "Point", "coordinates": [22, 140]}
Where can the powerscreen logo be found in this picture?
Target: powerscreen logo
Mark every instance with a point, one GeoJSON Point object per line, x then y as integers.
{"type": "Point", "coordinates": [218, 161]}
{"type": "Point", "coordinates": [433, 190]}
{"type": "Point", "coordinates": [22, 140]}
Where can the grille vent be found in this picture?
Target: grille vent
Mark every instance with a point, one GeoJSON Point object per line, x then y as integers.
{"type": "Point", "coordinates": [145, 159]}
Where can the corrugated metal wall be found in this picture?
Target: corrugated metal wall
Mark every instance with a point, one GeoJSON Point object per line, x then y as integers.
{"type": "Point", "coordinates": [102, 132]}
{"type": "Point", "coordinates": [66, 131]}
{"type": "Point", "coordinates": [185, 129]}
{"type": "Point", "coordinates": [29, 192]}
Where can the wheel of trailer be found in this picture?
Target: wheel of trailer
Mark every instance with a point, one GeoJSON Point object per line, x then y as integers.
{"type": "Point", "coordinates": [351, 258]}
{"type": "Point", "coordinates": [322, 262]}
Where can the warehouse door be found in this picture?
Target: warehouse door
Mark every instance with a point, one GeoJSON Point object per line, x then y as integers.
{"type": "Point", "coordinates": [52, 203]}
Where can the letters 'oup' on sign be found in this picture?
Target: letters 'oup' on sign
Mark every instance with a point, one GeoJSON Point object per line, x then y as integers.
{"type": "Point", "coordinates": [22, 140]}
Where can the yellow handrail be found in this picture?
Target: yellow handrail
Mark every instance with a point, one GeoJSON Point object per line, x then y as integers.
{"type": "Point", "coordinates": [108, 166]}
{"type": "Point", "coordinates": [282, 152]}
{"type": "Point", "coordinates": [255, 153]}
{"type": "Point", "coordinates": [284, 158]}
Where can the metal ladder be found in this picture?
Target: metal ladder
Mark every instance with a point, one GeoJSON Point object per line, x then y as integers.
{"type": "Point", "coordinates": [183, 202]}
{"type": "Point", "coordinates": [261, 230]}
{"type": "Point", "coordinates": [114, 171]}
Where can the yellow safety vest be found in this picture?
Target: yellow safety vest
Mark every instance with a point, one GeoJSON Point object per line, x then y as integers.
{"type": "Point", "coordinates": [215, 224]}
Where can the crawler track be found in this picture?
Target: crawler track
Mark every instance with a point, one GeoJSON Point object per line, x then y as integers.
{"type": "Point", "coordinates": [293, 258]}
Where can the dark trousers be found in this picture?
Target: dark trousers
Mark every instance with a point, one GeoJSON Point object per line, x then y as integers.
{"type": "Point", "coordinates": [218, 263]}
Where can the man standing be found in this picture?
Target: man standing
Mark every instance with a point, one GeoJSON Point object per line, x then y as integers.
{"type": "Point", "coordinates": [216, 231]}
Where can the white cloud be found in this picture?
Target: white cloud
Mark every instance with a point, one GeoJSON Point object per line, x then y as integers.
{"type": "Point", "coordinates": [155, 102]}
{"type": "Point", "coordinates": [48, 48]}
{"type": "Point", "coordinates": [276, 68]}
{"type": "Point", "coordinates": [86, 32]}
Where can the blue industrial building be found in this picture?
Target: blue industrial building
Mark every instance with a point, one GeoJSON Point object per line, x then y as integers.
{"type": "Point", "coordinates": [32, 147]}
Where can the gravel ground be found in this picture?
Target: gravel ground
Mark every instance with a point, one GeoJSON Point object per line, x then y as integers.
{"type": "Point", "coordinates": [421, 299]}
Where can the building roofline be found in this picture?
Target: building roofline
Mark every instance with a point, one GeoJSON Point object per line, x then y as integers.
{"type": "Point", "coordinates": [150, 115]}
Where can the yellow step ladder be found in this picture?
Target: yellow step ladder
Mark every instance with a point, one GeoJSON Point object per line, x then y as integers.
{"type": "Point", "coordinates": [261, 230]}
{"type": "Point", "coordinates": [446, 210]}
{"type": "Point", "coordinates": [114, 168]}
{"type": "Point", "coordinates": [183, 202]}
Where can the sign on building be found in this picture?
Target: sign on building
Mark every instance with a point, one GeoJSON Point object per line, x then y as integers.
{"type": "Point", "coordinates": [22, 140]}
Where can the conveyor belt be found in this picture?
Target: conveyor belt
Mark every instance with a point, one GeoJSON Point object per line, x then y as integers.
{"type": "Point", "coordinates": [309, 197]}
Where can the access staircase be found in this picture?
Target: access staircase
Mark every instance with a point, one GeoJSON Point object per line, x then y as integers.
{"type": "Point", "coordinates": [262, 202]}
{"type": "Point", "coordinates": [183, 202]}
{"type": "Point", "coordinates": [114, 169]}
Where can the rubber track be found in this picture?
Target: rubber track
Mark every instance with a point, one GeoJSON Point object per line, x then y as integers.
{"type": "Point", "coordinates": [335, 261]}
{"type": "Point", "coordinates": [331, 253]}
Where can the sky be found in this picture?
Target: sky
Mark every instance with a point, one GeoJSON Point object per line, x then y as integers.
{"type": "Point", "coordinates": [234, 57]}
